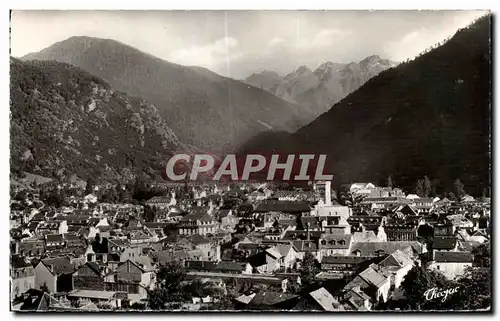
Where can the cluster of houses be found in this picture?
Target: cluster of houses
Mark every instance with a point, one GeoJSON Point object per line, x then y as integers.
{"type": "Point", "coordinates": [91, 255]}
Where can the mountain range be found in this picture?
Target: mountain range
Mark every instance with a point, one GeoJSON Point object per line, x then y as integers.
{"type": "Point", "coordinates": [317, 90]}
{"type": "Point", "coordinates": [204, 109]}
{"type": "Point", "coordinates": [429, 116]}
{"type": "Point", "coordinates": [65, 121]}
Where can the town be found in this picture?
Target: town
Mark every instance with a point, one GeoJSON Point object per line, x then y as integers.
{"type": "Point", "coordinates": [191, 246]}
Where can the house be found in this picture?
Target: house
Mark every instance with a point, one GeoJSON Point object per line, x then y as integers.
{"type": "Point", "coordinates": [22, 276]}
{"type": "Point", "coordinates": [133, 271]}
{"type": "Point", "coordinates": [396, 266]}
{"type": "Point", "coordinates": [98, 250]}
{"type": "Point", "coordinates": [30, 248]}
{"type": "Point", "coordinates": [270, 300]}
{"type": "Point", "coordinates": [289, 255]}
{"type": "Point", "coordinates": [200, 248]}
{"type": "Point", "coordinates": [266, 261]}
{"type": "Point", "coordinates": [327, 224]}
{"type": "Point", "coordinates": [445, 243]}
{"type": "Point", "coordinates": [423, 204]}
{"type": "Point", "coordinates": [295, 235]}
{"type": "Point", "coordinates": [140, 237]}
{"type": "Point", "coordinates": [365, 237]}
{"type": "Point", "coordinates": [197, 222]}
{"type": "Point", "coordinates": [380, 203]}
{"type": "Point", "coordinates": [228, 220]}
{"type": "Point", "coordinates": [361, 223]}
{"type": "Point", "coordinates": [32, 300]}
{"type": "Point", "coordinates": [459, 221]}
{"type": "Point", "coordinates": [162, 202]}
{"type": "Point", "coordinates": [344, 265]}
{"type": "Point", "coordinates": [451, 264]}
{"type": "Point", "coordinates": [478, 236]}
{"type": "Point", "coordinates": [401, 230]}
{"type": "Point", "coordinates": [325, 301]}
{"type": "Point", "coordinates": [408, 210]}
{"type": "Point", "coordinates": [444, 229]}
{"type": "Point", "coordinates": [372, 283]}
{"type": "Point", "coordinates": [290, 207]}
{"type": "Point", "coordinates": [333, 244]}
{"type": "Point", "coordinates": [73, 240]}
{"type": "Point", "coordinates": [233, 267]}
{"type": "Point", "coordinates": [332, 210]}
{"type": "Point", "coordinates": [411, 248]}
{"type": "Point", "coordinates": [54, 241]}
{"type": "Point", "coordinates": [111, 298]}
{"type": "Point", "coordinates": [54, 274]}
{"type": "Point", "coordinates": [228, 267]}
{"type": "Point", "coordinates": [357, 300]}
{"type": "Point", "coordinates": [89, 276]}
{"type": "Point", "coordinates": [131, 278]}
{"type": "Point", "coordinates": [52, 227]}
{"type": "Point", "coordinates": [307, 246]}
{"type": "Point", "coordinates": [362, 189]}
{"type": "Point", "coordinates": [175, 214]}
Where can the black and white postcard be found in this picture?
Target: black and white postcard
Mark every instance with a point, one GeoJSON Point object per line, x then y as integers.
{"type": "Point", "coordinates": [299, 160]}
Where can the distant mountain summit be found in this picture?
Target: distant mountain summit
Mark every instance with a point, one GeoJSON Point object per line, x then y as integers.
{"type": "Point", "coordinates": [65, 121]}
{"type": "Point", "coordinates": [267, 80]}
{"type": "Point", "coordinates": [317, 90]}
{"type": "Point", "coordinates": [430, 116]}
{"type": "Point", "coordinates": [203, 108]}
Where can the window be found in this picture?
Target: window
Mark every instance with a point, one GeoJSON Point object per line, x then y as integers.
{"type": "Point", "coordinates": [438, 267]}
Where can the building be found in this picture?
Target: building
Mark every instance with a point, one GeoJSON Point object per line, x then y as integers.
{"type": "Point", "coordinates": [54, 275]}
{"type": "Point", "coordinates": [22, 276]}
{"type": "Point", "coordinates": [324, 191]}
{"type": "Point", "coordinates": [373, 283]}
{"type": "Point", "coordinates": [197, 222]}
{"type": "Point", "coordinates": [451, 264]}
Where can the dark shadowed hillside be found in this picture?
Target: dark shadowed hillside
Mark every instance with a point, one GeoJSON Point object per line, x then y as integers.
{"type": "Point", "coordinates": [430, 116]}
{"type": "Point", "coordinates": [65, 121]}
{"type": "Point", "coordinates": [203, 108]}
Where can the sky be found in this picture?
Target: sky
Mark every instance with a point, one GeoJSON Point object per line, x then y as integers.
{"type": "Point", "coordinates": [239, 43]}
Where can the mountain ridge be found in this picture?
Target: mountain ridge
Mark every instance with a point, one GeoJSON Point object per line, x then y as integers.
{"type": "Point", "coordinates": [317, 90]}
{"type": "Point", "coordinates": [65, 121]}
{"type": "Point", "coordinates": [203, 108]}
{"type": "Point", "coordinates": [430, 116]}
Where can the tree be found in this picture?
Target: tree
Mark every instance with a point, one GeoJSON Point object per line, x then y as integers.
{"type": "Point", "coordinates": [109, 195]}
{"type": "Point", "coordinates": [415, 284]}
{"type": "Point", "coordinates": [149, 213]}
{"type": "Point", "coordinates": [419, 188]}
{"type": "Point", "coordinates": [474, 290]}
{"type": "Point", "coordinates": [350, 199]}
{"type": "Point", "coordinates": [458, 189]}
{"type": "Point", "coordinates": [389, 182]}
{"type": "Point", "coordinates": [55, 199]}
{"type": "Point", "coordinates": [169, 278]}
{"type": "Point", "coordinates": [141, 192]}
{"type": "Point", "coordinates": [122, 194]}
{"type": "Point", "coordinates": [245, 209]}
{"type": "Point", "coordinates": [427, 186]}
{"type": "Point", "coordinates": [89, 187]}
{"type": "Point", "coordinates": [452, 197]}
{"type": "Point", "coordinates": [309, 270]}
{"type": "Point", "coordinates": [482, 255]}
